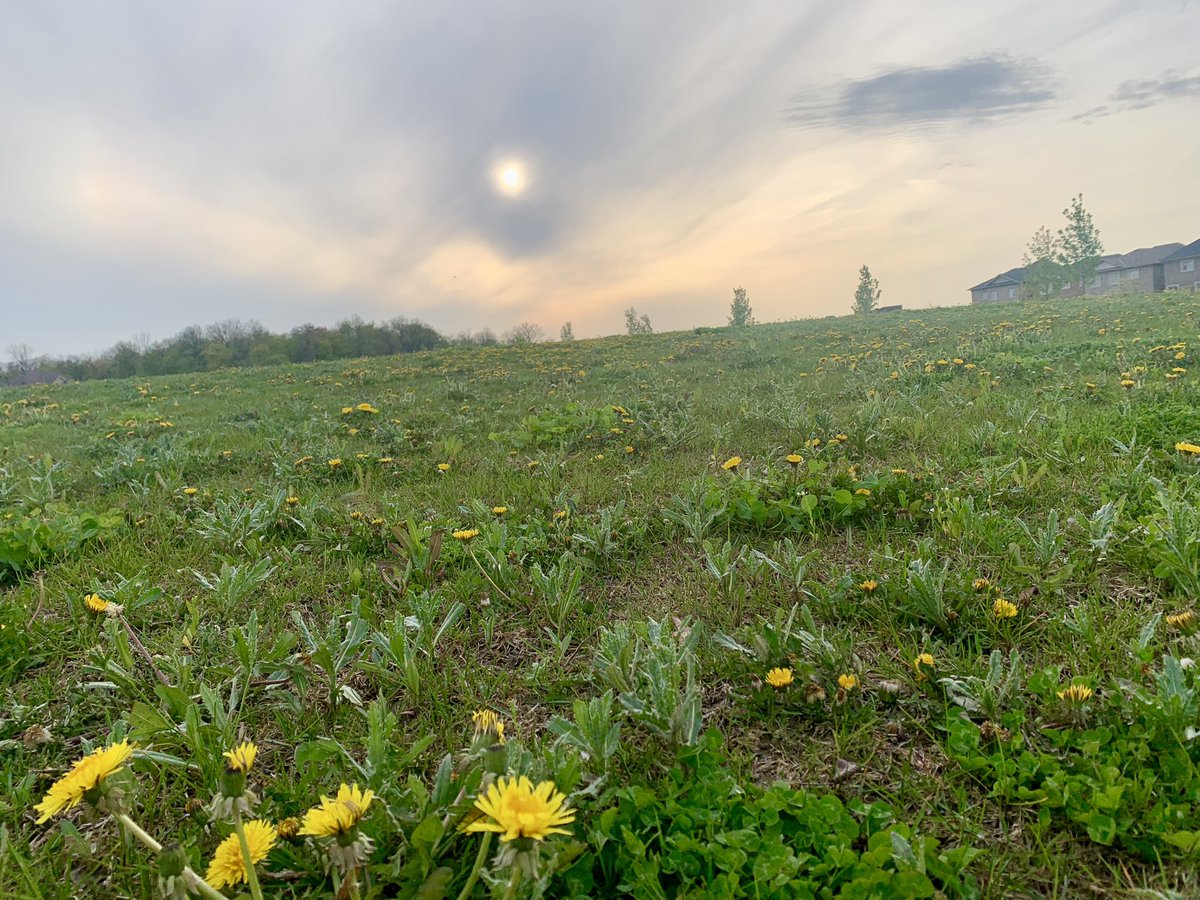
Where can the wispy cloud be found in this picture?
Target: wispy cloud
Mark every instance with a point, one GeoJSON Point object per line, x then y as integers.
{"type": "Point", "coordinates": [1142, 93]}
{"type": "Point", "coordinates": [975, 89]}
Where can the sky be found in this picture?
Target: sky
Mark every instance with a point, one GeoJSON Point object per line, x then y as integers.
{"type": "Point", "coordinates": [481, 164]}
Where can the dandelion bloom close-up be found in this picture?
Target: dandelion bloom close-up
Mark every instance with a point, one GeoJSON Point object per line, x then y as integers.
{"type": "Point", "coordinates": [85, 774]}
{"type": "Point", "coordinates": [1075, 693]}
{"type": "Point", "coordinates": [780, 678]}
{"type": "Point", "coordinates": [465, 534]}
{"type": "Point", "coordinates": [732, 463]}
{"type": "Point", "coordinates": [96, 603]}
{"type": "Point", "coordinates": [241, 758]}
{"type": "Point", "coordinates": [228, 867]}
{"type": "Point", "coordinates": [337, 815]}
{"type": "Point", "coordinates": [1004, 609]}
{"type": "Point", "coordinates": [515, 808]}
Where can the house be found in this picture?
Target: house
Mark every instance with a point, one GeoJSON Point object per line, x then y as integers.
{"type": "Point", "coordinates": [896, 307]}
{"type": "Point", "coordinates": [1137, 272]}
{"type": "Point", "coordinates": [1146, 270]}
{"type": "Point", "coordinates": [34, 376]}
{"type": "Point", "coordinates": [1181, 270]}
{"type": "Point", "coordinates": [1006, 286]}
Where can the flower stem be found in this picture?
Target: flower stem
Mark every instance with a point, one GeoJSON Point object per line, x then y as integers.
{"type": "Point", "coordinates": [480, 857]}
{"type": "Point", "coordinates": [198, 884]}
{"type": "Point", "coordinates": [137, 831]}
{"type": "Point", "coordinates": [483, 572]}
{"type": "Point", "coordinates": [513, 882]}
{"type": "Point", "coordinates": [247, 862]}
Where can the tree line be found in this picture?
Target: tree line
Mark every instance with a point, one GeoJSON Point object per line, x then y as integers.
{"type": "Point", "coordinates": [236, 343]}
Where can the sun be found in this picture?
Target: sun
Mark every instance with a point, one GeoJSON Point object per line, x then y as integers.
{"type": "Point", "coordinates": [510, 178]}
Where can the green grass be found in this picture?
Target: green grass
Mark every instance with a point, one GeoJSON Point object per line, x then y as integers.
{"type": "Point", "coordinates": [350, 636]}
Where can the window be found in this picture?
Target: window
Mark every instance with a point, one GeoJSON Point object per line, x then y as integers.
{"type": "Point", "coordinates": [1131, 274]}
{"type": "Point", "coordinates": [1114, 277]}
{"type": "Point", "coordinates": [991, 295]}
{"type": "Point", "coordinates": [1012, 293]}
{"type": "Point", "coordinates": [1172, 287]}
{"type": "Point", "coordinates": [1196, 286]}
{"type": "Point", "coordinates": [1187, 265]}
{"type": "Point", "coordinates": [1095, 282]}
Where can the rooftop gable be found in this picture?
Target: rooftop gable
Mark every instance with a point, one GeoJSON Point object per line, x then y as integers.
{"type": "Point", "coordinates": [1191, 251]}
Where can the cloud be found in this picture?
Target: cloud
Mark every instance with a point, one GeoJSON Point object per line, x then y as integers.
{"type": "Point", "coordinates": [972, 90]}
{"type": "Point", "coordinates": [1142, 93]}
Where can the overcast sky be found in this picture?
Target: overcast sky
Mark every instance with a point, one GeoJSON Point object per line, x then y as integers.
{"type": "Point", "coordinates": [165, 163]}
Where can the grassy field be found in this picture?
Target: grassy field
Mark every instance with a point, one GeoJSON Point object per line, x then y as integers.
{"type": "Point", "coordinates": [968, 539]}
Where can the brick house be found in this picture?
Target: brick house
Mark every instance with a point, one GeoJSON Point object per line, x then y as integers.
{"type": "Point", "coordinates": [1181, 270]}
{"type": "Point", "coordinates": [1142, 271]}
{"type": "Point", "coordinates": [1005, 286]}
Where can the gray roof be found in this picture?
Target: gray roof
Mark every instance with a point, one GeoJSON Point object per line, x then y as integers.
{"type": "Point", "coordinates": [1143, 256]}
{"type": "Point", "coordinates": [1148, 256]}
{"type": "Point", "coordinates": [1191, 251]}
{"type": "Point", "coordinates": [1012, 276]}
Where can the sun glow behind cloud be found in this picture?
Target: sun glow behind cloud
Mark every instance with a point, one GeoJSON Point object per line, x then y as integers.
{"type": "Point", "coordinates": [510, 178]}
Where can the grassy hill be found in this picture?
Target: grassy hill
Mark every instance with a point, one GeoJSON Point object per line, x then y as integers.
{"type": "Point", "coordinates": [878, 606]}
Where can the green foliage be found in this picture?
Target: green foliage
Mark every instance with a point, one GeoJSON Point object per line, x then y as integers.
{"type": "Point", "coordinates": [739, 310]}
{"type": "Point", "coordinates": [635, 324]}
{"type": "Point", "coordinates": [31, 539]}
{"type": "Point", "coordinates": [1078, 247]}
{"type": "Point", "coordinates": [867, 294]}
{"type": "Point", "coordinates": [698, 831]}
{"type": "Point", "coordinates": [1128, 776]}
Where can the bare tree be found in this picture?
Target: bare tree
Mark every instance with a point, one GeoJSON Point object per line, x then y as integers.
{"type": "Point", "coordinates": [21, 356]}
{"type": "Point", "coordinates": [524, 333]}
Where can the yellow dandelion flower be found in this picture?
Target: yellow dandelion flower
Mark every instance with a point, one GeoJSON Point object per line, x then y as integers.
{"type": "Point", "coordinates": [981, 584]}
{"type": "Point", "coordinates": [241, 758]}
{"type": "Point", "coordinates": [628, 448]}
{"type": "Point", "coordinates": [1186, 447]}
{"type": "Point", "coordinates": [335, 463]}
{"type": "Point", "coordinates": [1003, 609]}
{"type": "Point", "coordinates": [863, 492]}
{"type": "Point", "coordinates": [1184, 621]}
{"type": "Point", "coordinates": [302, 460]}
{"type": "Point", "coordinates": [227, 867]}
{"type": "Point", "coordinates": [367, 408]}
{"type": "Point", "coordinates": [532, 464]}
{"type": "Point", "coordinates": [780, 678]}
{"type": "Point", "coordinates": [292, 501]}
{"type": "Point", "coordinates": [346, 410]}
{"type": "Point", "coordinates": [466, 534]}
{"type": "Point", "coordinates": [499, 510]}
{"type": "Point", "coordinates": [848, 681]}
{"type": "Point", "coordinates": [289, 828]}
{"type": "Point", "coordinates": [96, 603]}
{"type": "Point", "coordinates": [337, 815]}
{"type": "Point", "coordinates": [559, 514]}
{"type": "Point", "coordinates": [1127, 383]}
{"type": "Point", "coordinates": [869, 585]}
{"type": "Point", "coordinates": [924, 664]}
{"type": "Point", "coordinates": [443, 467]}
{"type": "Point", "coordinates": [191, 491]}
{"type": "Point", "coordinates": [1075, 693]}
{"type": "Point", "coordinates": [85, 775]}
{"type": "Point", "coordinates": [514, 808]}
{"type": "Point", "coordinates": [487, 722]}
{"type": "Point", "coordinates": [732, 463]}
{"type": "Point", "coordinates": [795, 459]}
